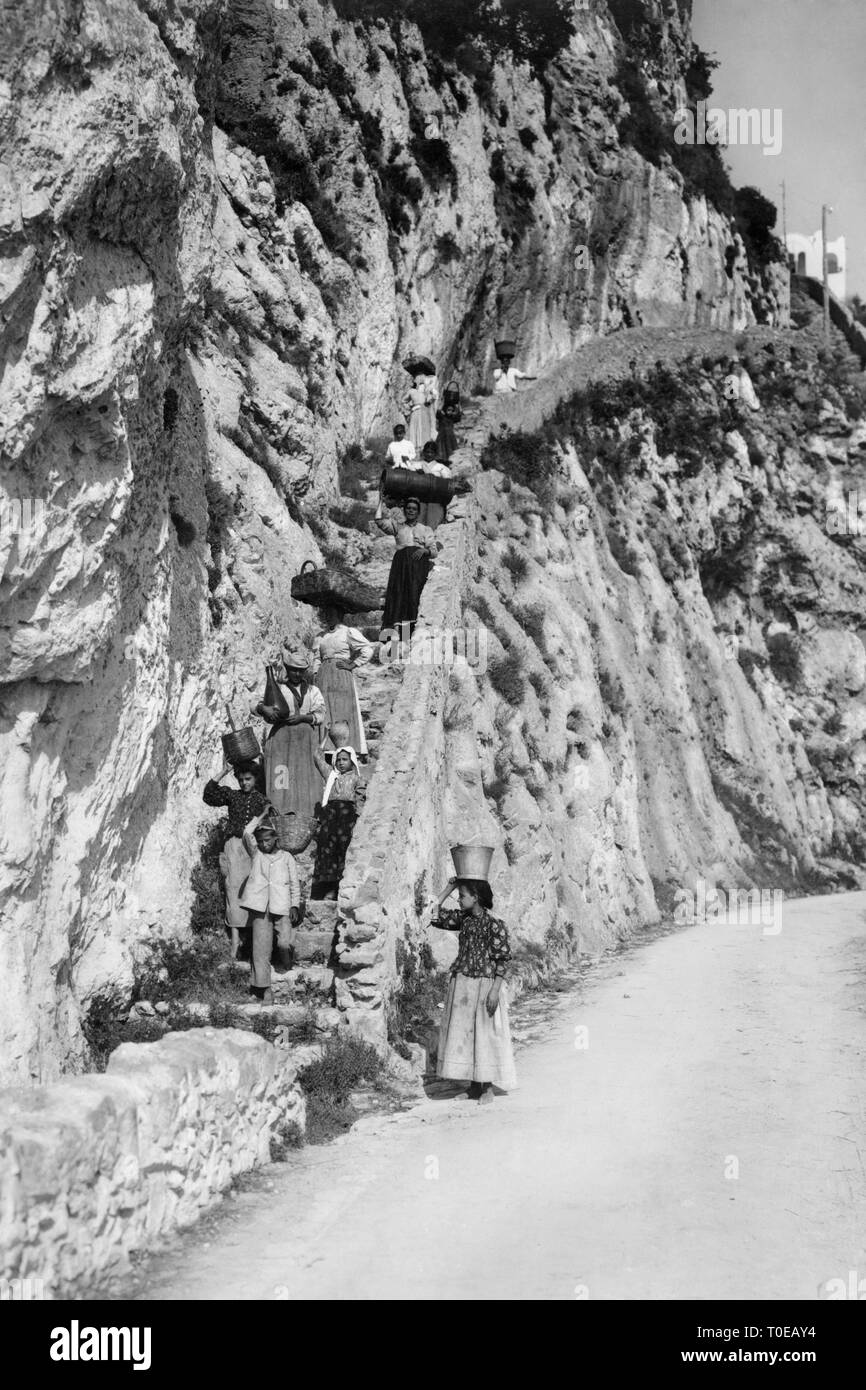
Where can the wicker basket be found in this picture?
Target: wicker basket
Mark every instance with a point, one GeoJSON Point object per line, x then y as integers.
{"type": "Point", "coordinates": [330, 587]}
{"type": "Point", "coordinates": [292, 832]}
{"type": "Point", "coordinates": [505, 347]}
{"type": "Point", "coordinates": [240, 746]}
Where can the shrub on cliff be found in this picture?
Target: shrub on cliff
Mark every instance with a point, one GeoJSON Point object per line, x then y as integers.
{"type": "Point", "coordinates": [531, 33]}
{"type": "Point", "coordinates": [527, 459]}
{"type": "Point", "coordinates": [507, 678]}
{"type": "Point", "coordinates": [329, 1081]}
{"type": "Point", "coordinates": [357, 470]}
{"type": "Point", "coordinates": [756, 217]}
{"type": "Point", "coordinates": [785, 660]}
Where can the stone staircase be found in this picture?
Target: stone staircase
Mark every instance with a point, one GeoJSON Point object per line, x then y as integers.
{"type": "Point", "coordinates": [310, 979]}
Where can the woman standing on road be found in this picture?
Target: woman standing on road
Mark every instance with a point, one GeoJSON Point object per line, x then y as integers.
{"type": "Point", "coordinates": [475, 1040]}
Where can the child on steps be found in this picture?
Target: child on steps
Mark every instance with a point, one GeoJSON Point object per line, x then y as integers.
{"type": "Point", "coordinates": [272, 897]}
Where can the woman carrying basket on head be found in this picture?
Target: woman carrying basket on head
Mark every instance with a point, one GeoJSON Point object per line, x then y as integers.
{"type": "Point", "coordinates": [340, 651]}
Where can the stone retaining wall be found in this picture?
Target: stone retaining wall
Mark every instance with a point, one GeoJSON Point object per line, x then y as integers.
{"type": "Point", "coordinates": [409, 820]}
{"type": "Point", "coordinates": [96, 1166]}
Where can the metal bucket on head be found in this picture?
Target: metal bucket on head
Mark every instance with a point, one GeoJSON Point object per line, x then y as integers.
{"type": "Point", "coordinates": [472, 861]}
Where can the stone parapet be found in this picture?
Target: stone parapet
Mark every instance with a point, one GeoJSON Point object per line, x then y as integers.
{"type": "Point", "coordinates": [95, 1167]}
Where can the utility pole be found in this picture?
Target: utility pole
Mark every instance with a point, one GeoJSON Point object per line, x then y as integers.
{"type": "Point", "coordinates": [784, 221]}
{"type": "Point", "coordinates": [824, 210]}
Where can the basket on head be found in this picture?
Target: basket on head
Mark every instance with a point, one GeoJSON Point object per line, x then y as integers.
{"type": "Point", "coordinates": [240, 746]}
{"type": "Point", "coordinates": [334, 588]}
{"type": "Point", "coordinates": [472, 861]}
{"type": "Point", "coordinates": [505, 347]}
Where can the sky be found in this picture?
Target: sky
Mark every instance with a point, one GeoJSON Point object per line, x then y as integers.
{"type": "Point", "coordinates": [808, 58]}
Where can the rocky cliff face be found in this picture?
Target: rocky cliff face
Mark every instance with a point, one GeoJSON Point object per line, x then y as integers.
{"type": "Point", "coordinates": [676, 673]}
{"type": "Point", "coordinates": [663, 596]}
{"type": "Point", "coordinates": [220, 225]}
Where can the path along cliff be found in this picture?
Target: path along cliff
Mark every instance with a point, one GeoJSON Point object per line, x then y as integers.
{"type": "Point", "coordinates": [672, 684]}
{"type": "Point", "coordinates": [223, 224]}
{"type": "Point", "coordinates": [688, 1125]}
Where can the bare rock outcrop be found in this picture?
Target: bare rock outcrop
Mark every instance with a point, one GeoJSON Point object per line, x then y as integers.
{"type": "Point", "coordinates": [220, 225]}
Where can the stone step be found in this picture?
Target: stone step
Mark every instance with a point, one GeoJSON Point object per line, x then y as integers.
{"type": "Point", "coordinates": [283, 1015]}
{"type": "Point", "coordinates": [303, 982]}
{"type": "Point", "coordinates": [320, 913]}
{"type": "Point", "coordinates": [314, 946]}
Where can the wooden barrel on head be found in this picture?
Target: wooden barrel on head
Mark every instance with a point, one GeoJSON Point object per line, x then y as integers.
{"type": "Point", "coordinates": [401, 483]}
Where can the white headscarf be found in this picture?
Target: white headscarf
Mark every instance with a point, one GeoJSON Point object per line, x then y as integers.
{"type": "Point", "coordinates": [334, 774]}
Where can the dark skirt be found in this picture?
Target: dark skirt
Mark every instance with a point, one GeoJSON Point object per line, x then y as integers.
{"type": "Point", "coordinates": [337, 821]}
{"type": "Point", "coordinates": [446, 438]}
{"type": "Point", "coordinates": [409, 570]}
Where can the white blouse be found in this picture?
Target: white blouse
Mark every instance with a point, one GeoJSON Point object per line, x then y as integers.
{"type": "Point", "coordinates": [343, 643]}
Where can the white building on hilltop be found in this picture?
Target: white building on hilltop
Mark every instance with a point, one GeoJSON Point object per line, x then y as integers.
{"type": "Point", "coordinates": [805, 254]}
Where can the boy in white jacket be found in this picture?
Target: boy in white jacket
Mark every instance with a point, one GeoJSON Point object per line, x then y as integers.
{"type": "Point", "coordinates": [272, 897]}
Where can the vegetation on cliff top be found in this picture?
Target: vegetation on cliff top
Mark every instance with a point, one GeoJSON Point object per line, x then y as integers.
{"type": "Point", "coordinates": [532, 33]}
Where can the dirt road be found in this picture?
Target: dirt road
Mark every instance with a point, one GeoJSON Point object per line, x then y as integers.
{"type": "Point", "coordinates": [708, 1142]}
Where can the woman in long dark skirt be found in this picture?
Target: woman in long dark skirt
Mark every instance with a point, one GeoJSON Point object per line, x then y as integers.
{"type": "Point", "coordinates": [416, 548]}
{"type": "Point", "coordinates": [335, 822]}
{"type": "Point", "coordinates": [447, 418]}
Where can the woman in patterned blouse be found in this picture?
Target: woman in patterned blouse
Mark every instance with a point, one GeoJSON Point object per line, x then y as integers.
{"type": "Point", "coordinates": [234, 861]}
{"type": "Point", "coordinates": [475, 1040]}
